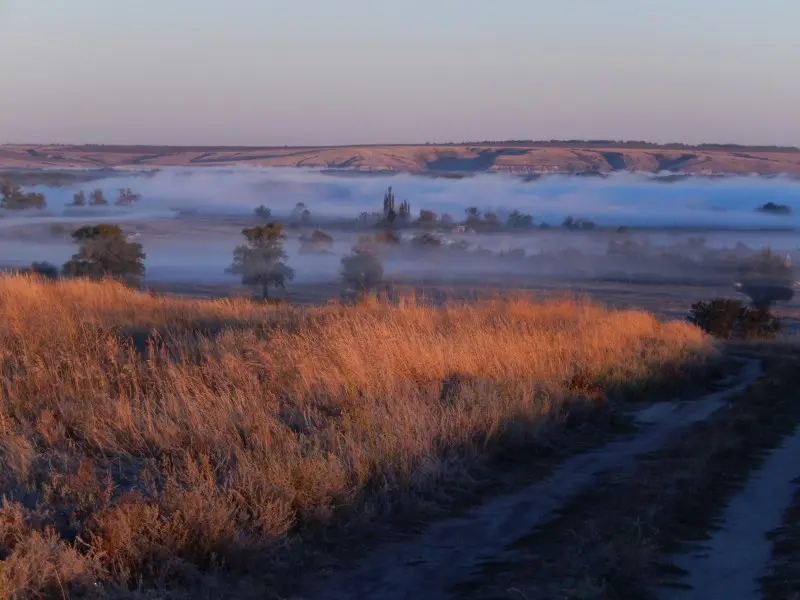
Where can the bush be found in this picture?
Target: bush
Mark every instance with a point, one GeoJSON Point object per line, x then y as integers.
{"type": "Point", "coordinates": [731, 319]}
{"type": "Point", "coordinates": [45, 270]}
{"type": "Point", "coordinates": [777, 209]}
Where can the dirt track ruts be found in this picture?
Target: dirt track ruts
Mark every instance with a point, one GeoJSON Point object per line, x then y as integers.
{"type": "Point", "coordinates": [449, 550]}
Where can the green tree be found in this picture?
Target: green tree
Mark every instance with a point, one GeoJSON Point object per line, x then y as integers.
{"type": "Point", "coordinates": [362, 269]}
{"type": "Point", "coordinates": [104, 251]}
{"type": "Point", "coordinates": [260, 261]}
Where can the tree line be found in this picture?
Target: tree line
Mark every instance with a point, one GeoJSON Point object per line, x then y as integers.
{"type": "Point", "coordinates": [13, 198]}
{"type": "Point", "coordinates": [104, 251]}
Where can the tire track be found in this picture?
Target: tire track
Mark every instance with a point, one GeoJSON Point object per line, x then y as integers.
{"type": "Point", "coordinates": [449, 550]}
{"type": "Point", "coordinates": [729, 565]}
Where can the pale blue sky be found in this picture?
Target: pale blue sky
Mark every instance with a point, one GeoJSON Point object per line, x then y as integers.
{"type": "Point", "coordinates": [373, 71]}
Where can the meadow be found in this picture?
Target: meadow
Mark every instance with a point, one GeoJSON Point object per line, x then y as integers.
{"type": "Point", "coordinates": [152, 443]}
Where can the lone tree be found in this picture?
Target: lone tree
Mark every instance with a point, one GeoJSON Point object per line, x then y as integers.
{"type": "Point", "coordinates": [260, 261]}
{"type": "Point", "coordinates": [300, 214]}
{"type": "Point", "coordinates": [104, 251]}
{"type": "Point", "coordinates": [79, 198]}
{"type": "Point", "coordinates": [98, 198]}
{"type": "Point", "coordinates": [262, 213]}
{"type": "Point", "coordinates": [13, 198]}
{"type": "Point", "coordinates": [362, 269]}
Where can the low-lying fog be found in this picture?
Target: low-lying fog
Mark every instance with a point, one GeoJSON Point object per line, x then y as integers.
{"type": "Point", "coordinates": [197, 247]}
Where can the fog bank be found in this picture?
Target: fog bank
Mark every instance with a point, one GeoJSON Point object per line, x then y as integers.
{"type": "Point", "coordinates": [620, 199]}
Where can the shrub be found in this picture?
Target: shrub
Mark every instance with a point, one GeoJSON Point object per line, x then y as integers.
{"type": "Point", "coordinates": [731, 319]}
{"type": "Point", "coordinates": [777, 209]}
{"type": "Point", "coordinates": [45, 270]}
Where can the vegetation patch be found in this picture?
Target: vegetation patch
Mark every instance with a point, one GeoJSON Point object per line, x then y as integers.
{"type": "Point", "coordinates": [731, 319]}
{"type": "Point", "coordinates": [227, 454]}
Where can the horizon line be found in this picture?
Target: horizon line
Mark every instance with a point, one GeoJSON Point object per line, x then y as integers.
{"type": "Point", "coordinates": [631, 144]}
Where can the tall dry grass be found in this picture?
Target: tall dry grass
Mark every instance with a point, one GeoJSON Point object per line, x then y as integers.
{"type": "Point", "coordinates": [238, 430]}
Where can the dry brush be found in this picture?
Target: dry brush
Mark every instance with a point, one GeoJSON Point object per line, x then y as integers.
{"type": "Point", "coordinates": [148, 441]}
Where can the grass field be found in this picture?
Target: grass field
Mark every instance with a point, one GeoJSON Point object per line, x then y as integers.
{"type": "Point", "coordinates": [153, 443]}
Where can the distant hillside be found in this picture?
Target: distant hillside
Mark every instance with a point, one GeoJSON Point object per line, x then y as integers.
{"type": "Point", "coordinates": [579, 157]}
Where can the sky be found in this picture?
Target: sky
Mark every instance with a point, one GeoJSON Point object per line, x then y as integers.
{"type": "Point", "coordinates": [316, 72]}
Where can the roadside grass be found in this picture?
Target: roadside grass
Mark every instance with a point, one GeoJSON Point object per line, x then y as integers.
{"type": "Point", "coordinates": [613, 541]}
{"type": "Point", "coordinates": [241, 440]}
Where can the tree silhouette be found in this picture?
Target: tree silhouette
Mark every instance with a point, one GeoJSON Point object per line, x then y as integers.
{"type": "Point", "coordinates": [518, 220]}
{"type": "Point", "coordinates": [404, 213]}
{"type": "Point", "coordinates": [362, 269]}
{"type": "Point", "coordinates": [262, 213]}
{"type": "Point", "coordinates": [44, 270]}
{"type": "Point", "coordinates": [260, 261]}
{"type": "Point", "coordinates": [13, 198]}
{"type": "Point", "coordinates": [127, 197]}
{"type": "Point", "coordinates": [300, 213]}
{"type": "Point", "coordinates": [97, 198]}
{"type": "Point", "coordinates": [105, 252]}
{"type": "Point", "coordinates": [79, 198]}
{"type": "Point", "coordinates": [318, 241]}
{"type": "Point", "coordinates": [427, 218]}
{"type": "Point", "coordinates": [389, 213]}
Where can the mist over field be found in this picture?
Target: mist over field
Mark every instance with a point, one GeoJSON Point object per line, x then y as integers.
{"type": "Point", "coordinates": [198, 248]}
{"type": "Point", "coordinates": [620, 199]}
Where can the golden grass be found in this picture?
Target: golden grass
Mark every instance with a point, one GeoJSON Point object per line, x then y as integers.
{"type": "Point", "coordinates": [241, 429]}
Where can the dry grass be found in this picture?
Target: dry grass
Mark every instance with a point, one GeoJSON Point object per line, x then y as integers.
{"type": "Point", "coordinates": [241, 430]}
